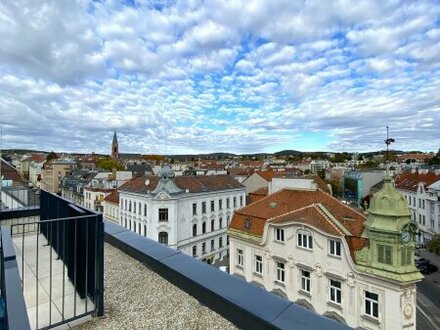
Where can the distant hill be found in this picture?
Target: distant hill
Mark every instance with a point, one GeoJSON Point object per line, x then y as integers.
{"type": "Point", "coordinates": [287, 153]}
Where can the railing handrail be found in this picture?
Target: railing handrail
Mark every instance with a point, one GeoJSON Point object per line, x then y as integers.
{"type": "Point", "coordinates": [81, 217]}
{"type": "Point", "coordinates": [16, 316]}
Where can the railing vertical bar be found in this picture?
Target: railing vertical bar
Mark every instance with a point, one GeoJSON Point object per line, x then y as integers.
{"type": "Point", "coordinates": [87, 262]}
{"type": "Point", "coordinates": [36, 279]}
{"type": "Point", "coordinates": [22, 256]}
{"type": "Point", "coordinates": [75, 269]}
{"type": "Point", "coordinates": [64, 270]}
{"type": "Point", "coordinates": [96, 279]}
{"type": "Point", "coordinates": [49, 235]}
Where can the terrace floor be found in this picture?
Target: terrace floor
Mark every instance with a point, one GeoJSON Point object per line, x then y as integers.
{"type": "Point", "coordinates": [49, 274]}
{"type": "Point", "coordinates": [135, 297]}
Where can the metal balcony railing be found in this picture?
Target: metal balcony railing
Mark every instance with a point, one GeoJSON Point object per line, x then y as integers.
{"type": "Point", "coordinates": [58, 256]}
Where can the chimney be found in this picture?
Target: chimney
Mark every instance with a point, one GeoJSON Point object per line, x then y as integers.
{"type": "Point", "coordinates": [114, 173]}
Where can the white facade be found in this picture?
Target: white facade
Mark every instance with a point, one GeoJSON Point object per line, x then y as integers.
{"type": "Point", "coordinates": [94, 198]}
{"type": "Point", "coordinates": [140, 213]}
{"type": "Point", "coordinates": [35, 172]}
{"type": "Point", "coordinates": [295, 183]}
{"type": "Point", "coordinates": [320, 278]}
{"type": "Point", "coordinates": [424, 204]}
{"type": "Point", "coordinates": [111, 211]}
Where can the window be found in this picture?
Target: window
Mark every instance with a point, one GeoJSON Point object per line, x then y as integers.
{"type": "Point", "coordinates": [203, 248]}
{"type": "Point", "coordinates": [420, 218]}
{"type": "Point", "coordinates": [241, 200]}
{"type": "Point", "coordinates": [240, 258]}
{"type": "Point", "coordinates": [163, 214]}
{"type": "Point", "coordinates": [424, 222]}
{"type": "Point", "coordinates": [220, 242]}
{"type": "Point", "coordinates": [134, 207]}
{"type": "Point", "coordinates": [279, 235]}
{"type": "Point", "coordinates": [335, 248]}
{"type": "Point", "coordinates": [305, 240]}
{"type": "Point", "coordinates": [139, 228]}
{"type": "Point", "coordinates": [423, 204]}
{"type": "Point", "coordinates": [235, 201]}
{"type": "Point", "coordinates": [140, 208]}
{"type": "Point", "coordinates": [194, 250]}
{"type": "Point", "coordinates": [122, 204]}
{"type": "Point", "coordinates": [384, 254]}
{"type": "Point", "coordinates": [212, 225]}
{"type": "Point", "coordinates": [227, 240]}
{"type": "Point", "coordinates": [145, 230]}
{"type": "Point", "coordinates": [280, 272]}
{"type": "Point", "coordinates": [194, 208]}
{"type": "Point", "coordinates": [305, 281]}
{"type": "Point", "coordinates": [145, 210]}
{"type": "Point", "coordinates": [163, 237]}
{"type": "Point", "coordinates": [220, 202]}
{"type": "Point", "coordinates": [335, 291]}
{"type": "Point", "coordinates": [247, 223]}
{"type": "Point", "coordinates": [130, 225]}
{"type": "Point", "coordinates": [194, 229]}
{"type": "Point", "coordinates": [203, 227]}
{"type": "Point", "coordinates": [406, 256]}
{"type": "Point", "coordinates": [258, 264]}
{"type": "Point", "coordinates": [203, 207]}
{"type": "Point", "coordinates": [227, 220]}
{"type": "Point", "coordinates": [220, 223]}
{"type": "Point", "coordinates": [372, 304]}
{"type": "Point", "coordinates": [129, 206]}
{"type": "Point", "coordinates": [227, 203]}
{"type": "Point", "coordinates": [212, 206]}
{"type": "Point", "coordinates": [212, 245]}
{"type": "Point", "coordinates": [414, 201]}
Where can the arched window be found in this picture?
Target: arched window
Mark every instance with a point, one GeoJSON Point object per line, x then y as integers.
{"type": "Point", "coordinates": [212, 225]}
{"type": "Point", "coordinates": [163, 237]}
{"type": "Point", "coordinates": [203, 227]}
{"type": "Point", "coordinates": [194, 230]}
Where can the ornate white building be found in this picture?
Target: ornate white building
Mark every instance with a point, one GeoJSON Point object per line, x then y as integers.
{"type": "Point", "coordinates": [422, 191]}
{"type": "Point", "coordinates": [189, 213]}
{"type": "Point", "coordinates": [306, 246]}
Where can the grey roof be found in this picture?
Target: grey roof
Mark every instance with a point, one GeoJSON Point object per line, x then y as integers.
{"type": "Point", "coordinates": [80, 177]}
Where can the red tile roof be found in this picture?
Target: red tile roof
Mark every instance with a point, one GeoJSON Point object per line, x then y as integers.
{"type": "Point", "coordinates": [300, 205]}
{"type": "Point", "coordinates": [195, 184]}
{"type": "Point", "coordinates": [409, 181]}
{"type": "Point", "coordinates": [9, 172]}
{"type": "Point", "coordinates": [258, 194]}
{"type": "Point", "coordinates": [113, 197]}
{"type": "Point", "coordinates": [311, 215]}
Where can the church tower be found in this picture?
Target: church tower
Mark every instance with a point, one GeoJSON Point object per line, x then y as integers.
{"type": "Point", "coordinates": [115, 147]}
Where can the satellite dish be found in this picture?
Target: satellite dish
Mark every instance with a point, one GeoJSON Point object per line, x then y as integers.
{"type": "Point", "coordinates": [147, 182]}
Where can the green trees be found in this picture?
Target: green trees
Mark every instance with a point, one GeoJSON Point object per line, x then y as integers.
{"type": "Point", "coordinates": [434, 244]}
{"type": "Point", "coordinates": [109, 164]}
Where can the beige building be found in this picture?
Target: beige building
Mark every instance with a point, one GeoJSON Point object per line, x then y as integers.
{"type": "Point", "coordinates": [308, 247]}
{"type": "Point", "coordinates": [53, 172]}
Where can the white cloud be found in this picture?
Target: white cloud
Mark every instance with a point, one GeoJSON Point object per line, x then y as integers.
{"type": "Point", "coordinates": [233, 75]}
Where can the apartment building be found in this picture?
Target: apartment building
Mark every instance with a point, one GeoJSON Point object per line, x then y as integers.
{"type": "Point", "coordinates": [188, 213]}
{"type": "Point", "coordinates": [308, 247]}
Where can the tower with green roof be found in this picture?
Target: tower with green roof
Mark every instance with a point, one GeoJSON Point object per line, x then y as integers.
{"type": "Point", "coordinates": [391, 235]}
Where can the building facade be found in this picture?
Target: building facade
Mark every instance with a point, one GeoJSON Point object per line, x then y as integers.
{"type": "Point", "coordinates": [422, 191]}
{"type": "Point", "coordinates": [188, 213]}
{"type": "Point", "coordinates": [306, 246]}
{"type": "Point", "coordinates": [53, 172]}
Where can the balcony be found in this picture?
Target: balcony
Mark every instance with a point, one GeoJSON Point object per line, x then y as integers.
{"type": "Point", "coordinates": [147, 285]}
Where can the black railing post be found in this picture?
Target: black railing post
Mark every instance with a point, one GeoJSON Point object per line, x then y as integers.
{"type": "Point", "coordinates": [99, 261]}
{"type": "Point", "coordinates": [16, 317]}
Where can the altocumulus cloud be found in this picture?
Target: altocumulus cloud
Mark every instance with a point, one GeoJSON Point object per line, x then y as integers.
{"type": "Point", "coordinates": [202, 76]}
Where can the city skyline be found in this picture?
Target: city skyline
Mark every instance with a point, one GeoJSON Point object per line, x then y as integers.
{"type": "Point", "coordinates": [196, 77]}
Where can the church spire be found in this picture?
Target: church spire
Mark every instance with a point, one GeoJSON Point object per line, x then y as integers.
{"type": "Point", "coordinates": [115, 146]}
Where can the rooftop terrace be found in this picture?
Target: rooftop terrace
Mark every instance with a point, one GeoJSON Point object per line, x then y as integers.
{"type": "Point", "coordinates": [146, 285]}
{"type": "Point", "coordinates": [138, 298]}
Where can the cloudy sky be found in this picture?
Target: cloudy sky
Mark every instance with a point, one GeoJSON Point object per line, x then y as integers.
{"type": "Point", "coordinates": [209, 76]}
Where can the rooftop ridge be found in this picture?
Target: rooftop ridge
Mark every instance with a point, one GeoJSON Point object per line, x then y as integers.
{"type": "Point", "coordinates": [333, 221]}
{"type": "Point", "coordinates": [337, 200]}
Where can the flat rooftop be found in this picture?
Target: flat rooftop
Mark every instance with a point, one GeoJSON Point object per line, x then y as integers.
{"type": "Point", "coordinates": [135, 297]}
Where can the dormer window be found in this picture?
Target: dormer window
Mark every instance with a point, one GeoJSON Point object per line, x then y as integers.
{"type": "Point", "coordinates": [247, 223]}
{"type": "Point", "coordinates": [385, 254]}
{"type": "Point", "coordinates": [304, 239]}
